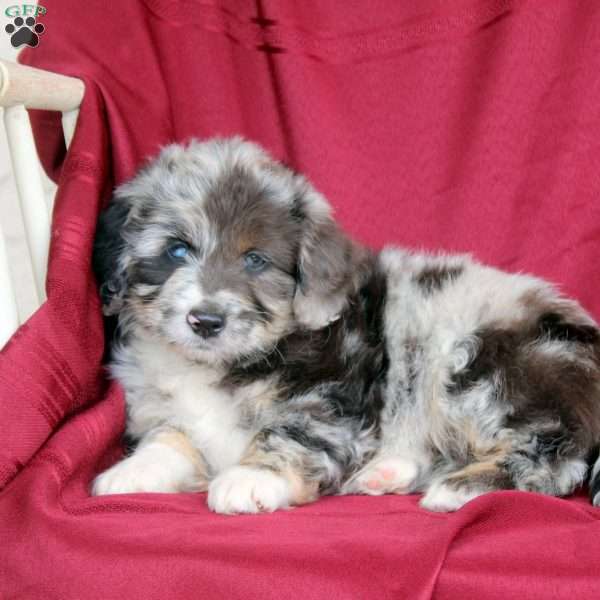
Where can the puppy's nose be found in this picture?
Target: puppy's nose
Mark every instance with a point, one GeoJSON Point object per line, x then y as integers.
{"type": "Point", "coordinates": [205, 324]}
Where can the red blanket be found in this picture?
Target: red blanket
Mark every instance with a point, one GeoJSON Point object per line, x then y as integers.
{"type": "Point", "coordinates": [466, 125]}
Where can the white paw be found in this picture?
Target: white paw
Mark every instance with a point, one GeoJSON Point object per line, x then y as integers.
{"type": "Point", "coordinates": [248, 490]}
{"type": "Point", "coordinates": [393, 475]}
{"type": "Point", "coordinates": [152, 468]}
{"type": "Point", "coordinates": [440, 497]}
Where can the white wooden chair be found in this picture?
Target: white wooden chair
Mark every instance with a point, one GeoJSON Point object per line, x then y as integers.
{"type": "Point", "coordinates": [21, 88]}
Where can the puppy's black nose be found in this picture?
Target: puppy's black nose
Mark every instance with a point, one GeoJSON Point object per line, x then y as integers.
{"type": "Point", "coordinates": [205, 324]}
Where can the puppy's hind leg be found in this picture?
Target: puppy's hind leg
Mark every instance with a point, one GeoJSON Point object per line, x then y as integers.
{"type": "Point", "coordinates": [451, 491]}
{"type": "Point", "coordinates": [517, 471]}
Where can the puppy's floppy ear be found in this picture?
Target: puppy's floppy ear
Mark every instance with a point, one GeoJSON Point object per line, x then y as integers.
{"type": "Point", "coordinates": [328, 265]}
{"type": "Point", "coordinates": [109, 246]}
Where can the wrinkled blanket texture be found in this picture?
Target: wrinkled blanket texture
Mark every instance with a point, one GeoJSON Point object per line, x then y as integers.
{"type": "Point", "coordinates": [462, 126]}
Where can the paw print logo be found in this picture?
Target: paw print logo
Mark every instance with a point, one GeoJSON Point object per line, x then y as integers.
{"type": "Point", "coordinates": [24, 31]}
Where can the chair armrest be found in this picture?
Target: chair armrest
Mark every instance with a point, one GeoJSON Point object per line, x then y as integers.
{"type": "Point", "coordinates": [35, 88]}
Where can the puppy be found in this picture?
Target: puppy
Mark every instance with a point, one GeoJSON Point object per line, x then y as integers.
{"type": "Point", "coordinates": [268, 359]}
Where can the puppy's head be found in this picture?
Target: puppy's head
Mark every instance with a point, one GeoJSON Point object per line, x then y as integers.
{"type": "Point", "coordinates": [219, 250]}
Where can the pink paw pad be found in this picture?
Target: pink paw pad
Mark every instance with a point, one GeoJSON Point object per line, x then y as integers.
{"type": "Point", "coordinates": [374, 484]}
{"type": "Point", "coordinates": [388, 476]}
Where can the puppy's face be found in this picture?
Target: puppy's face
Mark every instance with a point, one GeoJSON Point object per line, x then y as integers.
{"type": "Point", "coordinates": [220, 251]}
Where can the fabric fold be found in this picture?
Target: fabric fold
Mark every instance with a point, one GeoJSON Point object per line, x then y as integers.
{"type": "Point", "coordinates": [469, 126]}
{"type": "Point", "coordinates": [52, 365]}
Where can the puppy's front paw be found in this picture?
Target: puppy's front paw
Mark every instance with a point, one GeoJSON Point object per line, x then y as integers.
{"type": "Point", "coordinates": [126, 477]}
{"type": "Point", "coordinates": [148, 470]}
{"type": "Point", "coordinates": [248, 490]}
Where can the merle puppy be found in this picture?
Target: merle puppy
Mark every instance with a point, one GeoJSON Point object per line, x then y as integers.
{"type": "Point", "coordinates": [268, 359]}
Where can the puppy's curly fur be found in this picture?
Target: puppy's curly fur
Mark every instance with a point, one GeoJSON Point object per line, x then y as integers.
{"type": "Point", "coordinates": [268, 359]}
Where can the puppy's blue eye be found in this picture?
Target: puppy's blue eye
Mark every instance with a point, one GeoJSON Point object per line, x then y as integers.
{"type": "Point", "coordinates": [254, 261]}
{"type": "Point", "coordinates": [178, 250]}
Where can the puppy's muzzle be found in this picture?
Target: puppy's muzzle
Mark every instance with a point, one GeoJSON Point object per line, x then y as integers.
{"type": "Point", "coordinates": [206, 324]}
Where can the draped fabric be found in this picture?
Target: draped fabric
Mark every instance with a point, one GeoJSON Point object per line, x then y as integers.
{"type": "Point", "coordinates": [464, 126]}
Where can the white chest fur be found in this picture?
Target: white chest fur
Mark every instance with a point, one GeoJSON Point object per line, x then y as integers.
{"type": "Point", "coordinates": [164, 388]}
